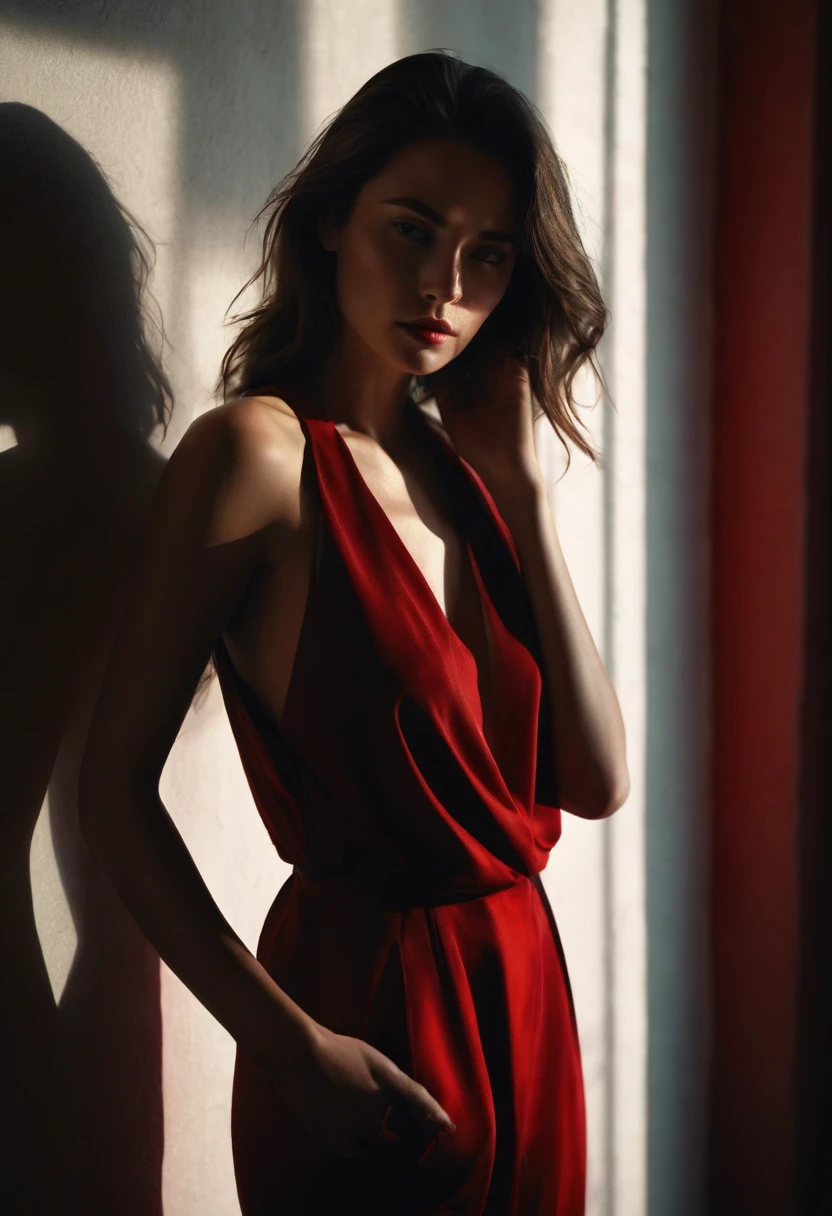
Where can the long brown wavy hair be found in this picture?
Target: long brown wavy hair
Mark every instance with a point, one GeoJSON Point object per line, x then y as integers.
{"type": "Point", "coordinates": [552, 313]}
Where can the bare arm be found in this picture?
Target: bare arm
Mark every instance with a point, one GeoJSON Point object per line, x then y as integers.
{"type": "Point", "coordinates": [589, 740]}
{"type": "Point", "coordinates": [489, 418]}
{"type": "Point", "coordinates": [229, 489]}
{"type": "Point", "coordinates": [213, 522]}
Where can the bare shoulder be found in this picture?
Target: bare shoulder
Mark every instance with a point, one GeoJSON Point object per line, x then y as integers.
{"type": "Point", "coordinates": [240, 465]}
{"type": "Point", "coordinates": [249, 434]}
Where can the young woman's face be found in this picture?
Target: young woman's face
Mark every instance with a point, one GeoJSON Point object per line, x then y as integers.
{"type": "Point", "coordinates": [433, 237]}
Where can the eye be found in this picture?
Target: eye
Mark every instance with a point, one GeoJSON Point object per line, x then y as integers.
{"type": "Point", "coordinates": [488, 250]}
{"type": "Point", "coordinates": [414, 232]}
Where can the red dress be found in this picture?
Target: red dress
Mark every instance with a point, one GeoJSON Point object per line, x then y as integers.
{"type": "Point", "coordinates": [414, 918]}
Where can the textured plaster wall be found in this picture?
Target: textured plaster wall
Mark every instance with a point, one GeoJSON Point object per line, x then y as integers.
{"type": "Point", "coordinates": [195, 112]}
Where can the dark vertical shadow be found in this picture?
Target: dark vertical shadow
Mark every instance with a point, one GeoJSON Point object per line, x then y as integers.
{"type": "Point", "coordinates": [814, 992]}
{"type": "Point", "coordinates": [680, 108]}
{"type": "Point", "coordinates": [80, 1099]}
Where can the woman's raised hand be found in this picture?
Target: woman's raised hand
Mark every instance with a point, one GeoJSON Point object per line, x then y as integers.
{"type": "Point", "coordinates": [488, 414]}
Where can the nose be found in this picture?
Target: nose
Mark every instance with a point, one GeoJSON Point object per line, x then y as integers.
{"type": "Point", "coordinates": [441, 278]}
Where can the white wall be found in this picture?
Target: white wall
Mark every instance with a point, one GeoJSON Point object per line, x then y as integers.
{"type": "Point", "coordinates": [195, 117]}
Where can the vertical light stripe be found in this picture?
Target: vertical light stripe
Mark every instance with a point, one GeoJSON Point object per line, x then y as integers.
{"type": "Point", "coordinates": [341, 46]}
{"type": "Point", "coordinates": [591, 91]}
{"type": "Point", "coordinates": [628, 600]}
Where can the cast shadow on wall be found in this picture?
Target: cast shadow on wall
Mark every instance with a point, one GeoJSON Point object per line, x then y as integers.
{"type": "Point", "coordinates": [80, 1077]}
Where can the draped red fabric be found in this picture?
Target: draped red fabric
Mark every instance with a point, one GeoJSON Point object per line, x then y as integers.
{"type": "Point", "coordinates": [414, 918]}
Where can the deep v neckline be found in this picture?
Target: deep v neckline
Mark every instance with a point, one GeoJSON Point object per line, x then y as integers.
{"type": "Point", "coordinates": [446, 458]}
{"type": "Point", "coordinates": [418, 575]}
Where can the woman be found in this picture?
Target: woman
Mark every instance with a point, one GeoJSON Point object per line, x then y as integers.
{"type": "Point", "coordinates": [413, 687]}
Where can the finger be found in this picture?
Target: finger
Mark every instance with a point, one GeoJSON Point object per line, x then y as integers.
{"type": "Point", "coordinates": [433, 1116]}
{"type": "Point", "coordinates": [433, 1111]}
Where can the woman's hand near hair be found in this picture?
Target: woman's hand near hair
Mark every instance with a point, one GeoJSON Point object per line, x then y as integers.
{"type": "Point", "coordinates": [488, 416]}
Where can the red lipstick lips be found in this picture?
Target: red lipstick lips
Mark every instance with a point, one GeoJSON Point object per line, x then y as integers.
{"type": "Point", "coordinates": [429, 331]}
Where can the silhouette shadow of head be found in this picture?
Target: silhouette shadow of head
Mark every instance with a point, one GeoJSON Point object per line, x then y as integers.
{"type": "Point", "coordinates": [82, 387]}
{"type": "Point", "coordinates": [77, 354]}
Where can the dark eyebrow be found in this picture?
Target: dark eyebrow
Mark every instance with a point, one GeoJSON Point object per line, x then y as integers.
{"type": "Point", "coordinates": [416, 204]}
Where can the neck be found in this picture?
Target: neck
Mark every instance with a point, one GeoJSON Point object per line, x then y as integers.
{"type": "Point", "coordinates": [364, 393]}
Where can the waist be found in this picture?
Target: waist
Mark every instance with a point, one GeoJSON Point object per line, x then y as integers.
{"type": "Point", "coordinates": [397, 890]}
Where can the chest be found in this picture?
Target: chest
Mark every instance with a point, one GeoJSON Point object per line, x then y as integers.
{"type": "Point", "coordinates": [412, 510]}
